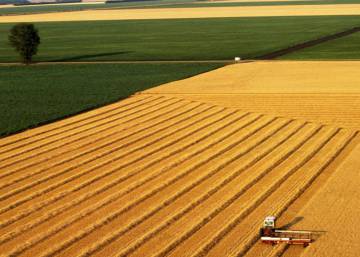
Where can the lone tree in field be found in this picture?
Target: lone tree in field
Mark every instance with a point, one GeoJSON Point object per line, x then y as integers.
{"type": "Point", "coordinates": [24, 37]}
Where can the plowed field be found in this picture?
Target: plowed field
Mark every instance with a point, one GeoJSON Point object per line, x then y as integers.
{"type": "Point", "coordinates": [185, 13]}
{"type": "Point", "coordinates": [158, 175]}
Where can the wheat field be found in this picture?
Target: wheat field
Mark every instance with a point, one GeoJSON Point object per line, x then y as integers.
{"type": "Point", "coordinates": [188, 13]}
{"type": "Point", "coordinates": [164, 175]}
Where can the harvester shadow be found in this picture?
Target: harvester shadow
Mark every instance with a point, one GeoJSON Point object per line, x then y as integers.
{"type": "Point", "coordinates": [315, 234]}
{"type": "Point", "coordinates": [292, 223]}
{"type": "Point", "coordinates": [89, 56]}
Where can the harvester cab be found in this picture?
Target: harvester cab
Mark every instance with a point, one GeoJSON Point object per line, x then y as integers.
{"type": "Point", "coordinates": [268, 226]}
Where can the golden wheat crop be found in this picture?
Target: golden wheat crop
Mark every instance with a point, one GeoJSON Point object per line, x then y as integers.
{"type": "Point", "coordinates": [174, 171]}
{"type": "Point", "coordinates": [185, 13]}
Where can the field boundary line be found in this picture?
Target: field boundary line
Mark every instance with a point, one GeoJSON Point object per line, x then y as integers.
{"type": "Point", "coordinates": [120, 62]}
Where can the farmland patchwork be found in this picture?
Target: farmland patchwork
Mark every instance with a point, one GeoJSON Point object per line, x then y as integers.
{"type": "Point", "coordinates": [189, 168]}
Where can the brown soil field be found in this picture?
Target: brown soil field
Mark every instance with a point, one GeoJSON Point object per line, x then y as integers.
{"type": "Point", "coordinates": [168, 175]}
{"type": "Point", "coordinates": [198, 12]}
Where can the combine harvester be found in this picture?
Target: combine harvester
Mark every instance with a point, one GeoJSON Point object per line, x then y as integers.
{"type": "Point", "coordinates": [270, 235]}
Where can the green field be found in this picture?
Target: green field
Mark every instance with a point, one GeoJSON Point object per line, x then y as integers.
{"type": "Point", "coordinates": [80, 7]}
{"type": "Point", "coordinates": [346, 48]}
{"type": "Point", "coordinates": [265, 3]}
{"type": "Point", "coordinates": [208, 39]}
{"type": "Point", "coordinates": [33, 95]}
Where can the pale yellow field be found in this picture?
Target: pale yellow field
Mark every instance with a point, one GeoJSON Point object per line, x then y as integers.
{"type": "Point", "coordinates": [201, 12]}
{"type": "Point", "coordinates": [165, 174]}
{"type": "Point", "coordinates": [7, 5]}
{"type": "Point", "coordinates": [326, 92]}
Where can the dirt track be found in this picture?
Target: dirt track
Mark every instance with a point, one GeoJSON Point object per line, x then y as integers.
{"type": "Point", "coordinates": [202, 12]}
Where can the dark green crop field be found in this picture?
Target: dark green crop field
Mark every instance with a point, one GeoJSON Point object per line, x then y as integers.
{"type": "Point", "coordinates": [179, 39]}
{"type": "Point", "coordinates": [346, 48]}
{"type": "Point", "coordinates": [33, 95]}
{"type": "Point", "coordinates": [80, 7]}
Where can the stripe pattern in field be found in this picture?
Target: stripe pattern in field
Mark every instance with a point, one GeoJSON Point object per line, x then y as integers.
{"type": "Point", "coordinates": [155, 175]}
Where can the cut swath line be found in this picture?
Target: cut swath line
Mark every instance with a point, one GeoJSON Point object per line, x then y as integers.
{"type": "Point", "coordinates": [207, 194]}
{"type": "Point", "coordinates": [92, 130]}
{"type": "Point", "coordinates": [62, 195]}
{"type": "Point", "coordinates": [113, 169]}
{"type": "Point", "coordinates": [275, 156]}
{"type": "Point", "coordinates": [261, 196]}
{"type": "Point", "coordinates": [86, 128]}
{"type": "Point", "coordinates": [78, 152]}
{"type": "Point", "coordinates": [119, 193]}
{"type": "Point", "coordinates": [326, 156]}
{"type": "Point", "coordinates": [202, 221]}
{"type": "Point", "coordinates": [182, 175]}
{"type": "Point", "coordinates": [256, 159]}
{"type": "Point", "coordinates": [43, 237]}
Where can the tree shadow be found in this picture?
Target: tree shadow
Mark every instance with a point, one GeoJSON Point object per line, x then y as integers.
{"type": "Point", "coordinates": [88, 56]}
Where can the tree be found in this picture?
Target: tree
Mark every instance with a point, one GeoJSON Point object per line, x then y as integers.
{"type": "Point", "coordinates": [24, 37]}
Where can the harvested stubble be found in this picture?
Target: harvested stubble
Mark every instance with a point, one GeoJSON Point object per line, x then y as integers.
{"type": "Point", "coordinates": [337, 199]}
{"type": "Point", "coordinates": [325, 92]}
{"type": "Point", "coordinates": [120, 179]}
